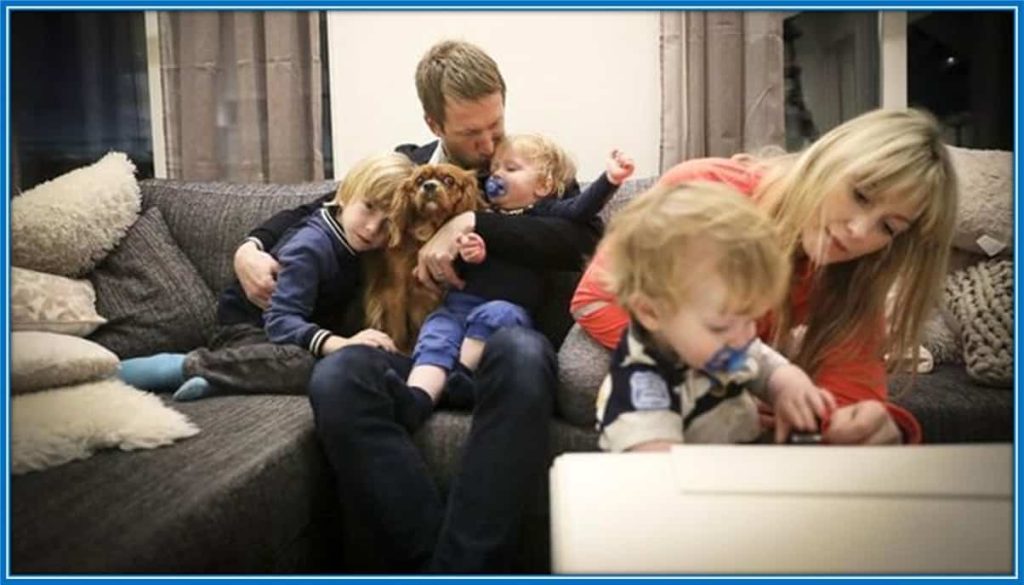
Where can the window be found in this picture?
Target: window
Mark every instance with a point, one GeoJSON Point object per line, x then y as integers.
{"type": "Point", "coordinates": [78, 83]}
{"type": "Point", "coordinates": [958, 65]}
{"type": "Point", "coordinates": [79, 89]}
{"type": "Point", "coordinates": [960, 68]}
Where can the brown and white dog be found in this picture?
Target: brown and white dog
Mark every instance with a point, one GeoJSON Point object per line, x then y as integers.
{"type": "Point", "coordinates": [394, 301]}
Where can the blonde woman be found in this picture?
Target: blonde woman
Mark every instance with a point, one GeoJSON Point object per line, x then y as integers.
{"type": "Point", "coordinates": [866, 210]}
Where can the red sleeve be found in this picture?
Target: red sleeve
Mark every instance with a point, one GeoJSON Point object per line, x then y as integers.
{"type": "Point", "coordinates": [596, 309]}
{"type": "Point", "coordinates": [855, 372]}
{"type": "Point", "coordinates": [733, 173]}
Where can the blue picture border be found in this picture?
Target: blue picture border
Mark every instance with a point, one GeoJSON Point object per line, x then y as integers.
{"type": "Point", "coordinates": [12, 5]}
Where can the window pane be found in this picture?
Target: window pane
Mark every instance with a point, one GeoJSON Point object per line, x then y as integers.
{"type": "Point", "coordinates": [960, 67]}
{"type": "Point", "coordinates": [78, 90]}
{"type": "Point", "coordinates": [831, 71]}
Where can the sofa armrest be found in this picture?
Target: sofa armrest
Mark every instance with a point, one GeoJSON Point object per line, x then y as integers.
{"type": "Point", "coordinates": [582, 366]}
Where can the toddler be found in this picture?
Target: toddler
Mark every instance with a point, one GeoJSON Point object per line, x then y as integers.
{"type": "Point", "coordinates": [530, 174]}
{"type": "Point", "coordinates": [695, 265]}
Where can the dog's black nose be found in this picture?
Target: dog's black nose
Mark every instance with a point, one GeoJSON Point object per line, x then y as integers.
{"type": "Point", "coordinates": [430, 186]}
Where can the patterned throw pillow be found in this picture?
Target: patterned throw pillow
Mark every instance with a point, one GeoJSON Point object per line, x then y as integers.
{"type": "Point", "coordinates": [45, 302]}
{"type": "Point", "coordinates": [66, 225]}
{"type": "Point", "coordinates": [41, 360]}
{"type": "Point", "coordinates": [152, 296]}
{"type": "Point", "coordinates": [981, 301]}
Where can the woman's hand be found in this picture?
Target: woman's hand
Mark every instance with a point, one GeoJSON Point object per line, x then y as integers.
{"type": "Point", "coordinates": [257, 272]}
{"type": "Point", "coordinates": [436, 257]}
{"type": "Point", "coordinates": [862, 423]}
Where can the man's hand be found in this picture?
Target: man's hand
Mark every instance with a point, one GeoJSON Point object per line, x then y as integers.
{"type": "Point", "coordinates": [437, 255]}
{"type": "Point", "coordinates": [619, 167]}
{"type": "Point", "coordinates": [797, 402]}
{"type": "Point", "coordinates": [370, 337]}
{"type": "Point", "coordinates": [862, 423]}
{"type": "Point", "coordinates": [472, 248]}
{"type": "Point", "coordinates": [257, 272]}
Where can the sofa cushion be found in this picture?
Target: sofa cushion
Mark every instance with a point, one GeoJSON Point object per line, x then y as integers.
{"type": "Point", "coordinates": [151, 294]}
{"type": "Point", "coordinates": [984, 218]}
{"type": "Point", "coordinates": [582, 365]}
{"type": "Point", "coordinates": [980, 300]}
{"type": "Point", "coordinates": [210, 220]}
{"type": "Point", "coordinates": [47, 302]}
{"type": "Point", "coordinates": [41, 360]}
{"type": "Point", "coordinates": [66, 225]}
{"type": "Point", "coordinates": [952, 408]}
{"type": "Point", "coordinates": [56, 426]}
{"type": "Point", "coordinates": [248, 494]}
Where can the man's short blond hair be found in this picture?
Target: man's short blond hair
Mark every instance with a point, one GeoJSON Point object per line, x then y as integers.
{"type": "Point", "coordinates": [455, 70]}
{"type": "Point", "coordinates": [668, 241]}
{"type": "Point", "coordinates": [374, 180]}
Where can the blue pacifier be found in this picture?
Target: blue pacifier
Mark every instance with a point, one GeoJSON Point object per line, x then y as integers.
{"type": "Point", "coordinates": [727, 360]}
{"type": "Point", "coordinates": [494, 188]}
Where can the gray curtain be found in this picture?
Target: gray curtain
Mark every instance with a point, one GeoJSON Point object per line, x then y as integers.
{"type": "Point", "coordinates": [242, 96]}
{"type": "Point", "coordinates": [722, 85]}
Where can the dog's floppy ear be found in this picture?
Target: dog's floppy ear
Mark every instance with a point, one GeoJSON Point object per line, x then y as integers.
{"type": "Point", "coordinates": [468, 192]}
{"type": "Point", "coordinates": [401, 208]}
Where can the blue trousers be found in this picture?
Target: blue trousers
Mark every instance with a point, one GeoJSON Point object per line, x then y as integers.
{"type": "Point", "coordinates": [463, 315]}
{"type": "Point", "coordinates": [382, 476]}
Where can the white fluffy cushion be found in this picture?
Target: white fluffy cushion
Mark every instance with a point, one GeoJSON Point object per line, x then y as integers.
{"type": "Point", "coordinates": [57, 426]}
{"type": "Point", "coordinates": [66, 225]}
{"type": "Point", "coordinates": [985, 178]}
{"type": "Point", "coordinates": [45, 302]}
{"type": "Point", "coordinates": [41, 360]}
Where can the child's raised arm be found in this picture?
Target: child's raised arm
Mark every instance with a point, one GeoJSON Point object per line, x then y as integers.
{"type": "Point", "coordinates": [619, 167]}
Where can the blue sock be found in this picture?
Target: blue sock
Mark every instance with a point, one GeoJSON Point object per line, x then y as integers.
{"type": "Point", "coordinates": [194, 389]}
{"type": "Point", "coordinates": [162, 372]}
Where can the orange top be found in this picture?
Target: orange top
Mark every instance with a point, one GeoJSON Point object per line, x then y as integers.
{"type": "Point", "coordinates": [853, 371]}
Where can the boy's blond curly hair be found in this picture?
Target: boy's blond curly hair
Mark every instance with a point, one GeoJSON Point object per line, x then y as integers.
{"type": "Point", "coordinates": [664, 244]}
{"type": "Point", "coordinates": [553, 163]}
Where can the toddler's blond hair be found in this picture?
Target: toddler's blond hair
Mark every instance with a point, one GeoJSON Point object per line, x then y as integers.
{"type": "Point", "coordinates": [553, 163]}
{"type": "Point", "coordinates": [663, 245]}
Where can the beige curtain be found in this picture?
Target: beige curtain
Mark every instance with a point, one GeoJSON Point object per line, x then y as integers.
{"type": "Point", "coordinates": [722, 84]}
{"type": "Point", "coordinates": [242, 95]}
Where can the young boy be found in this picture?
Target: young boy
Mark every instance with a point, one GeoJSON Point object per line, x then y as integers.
{"type": "Point", "coordinates": [274, 351]}
{"type": "Point", "coordinates": [695, 265]}
{"type": "Point", "coordinates": [530, 174]}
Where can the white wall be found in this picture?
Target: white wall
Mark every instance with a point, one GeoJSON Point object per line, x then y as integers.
{"type": "Point", "coordinates": [589, 80]}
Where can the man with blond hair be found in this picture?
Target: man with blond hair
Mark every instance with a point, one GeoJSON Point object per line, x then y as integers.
{"type": "Point", "coordinates": [366, 415]}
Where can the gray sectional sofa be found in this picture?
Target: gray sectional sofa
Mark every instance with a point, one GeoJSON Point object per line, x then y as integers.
{"type": "Point", "coordinates": [251, 493]}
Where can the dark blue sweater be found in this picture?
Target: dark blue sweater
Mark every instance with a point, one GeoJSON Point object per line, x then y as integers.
{"type": "Point", "coordinates": [319, 275]}
{"type": "Point", "coordinates": [501, 278]}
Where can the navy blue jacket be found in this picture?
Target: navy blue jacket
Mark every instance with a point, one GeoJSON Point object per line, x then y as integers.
{"type": "Point", "coordinates": [319, 276]}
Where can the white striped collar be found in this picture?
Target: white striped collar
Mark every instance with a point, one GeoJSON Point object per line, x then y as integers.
{"type": "Point", "coordinates": [327, 213]}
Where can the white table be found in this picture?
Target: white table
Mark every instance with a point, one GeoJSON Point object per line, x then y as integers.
{"type": "Point", "coordinates": [785, 509]}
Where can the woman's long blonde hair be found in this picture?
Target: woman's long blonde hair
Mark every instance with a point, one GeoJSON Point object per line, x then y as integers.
{"type": "Point", "coordinates": [895, 152]}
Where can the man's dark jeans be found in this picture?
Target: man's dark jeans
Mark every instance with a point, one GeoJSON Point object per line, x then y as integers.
{"type": "Point", "coordinates": [383, 479]}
